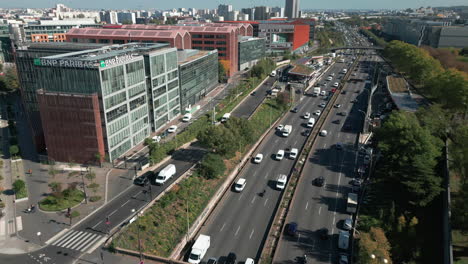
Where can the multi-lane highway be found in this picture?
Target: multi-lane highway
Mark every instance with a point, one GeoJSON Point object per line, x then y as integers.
{"type": "Point", "coordinates": [241, 221]}
{"type": "Point", "coordinates": [316, 208]}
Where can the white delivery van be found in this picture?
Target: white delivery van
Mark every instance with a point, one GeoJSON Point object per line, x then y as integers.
{"type": "Point", "coordinates": [311, 122]}
{"type": "Point", "coordinates": [286, 130]}
{"type": "Point", "coordinates": [293, 153]}
{"type": "Point", "coordinates": [225, 117]}
{"type": "Point", "coordinates": [345, 70]}
{"type": "Point", "coordinates": [165, 174]}
{"type": "Point", "coordinates": [281, 181]}
{"type": "Point", "coordinates": [199, 249]}
{"type": "Point", "coordinates": [280, 155]}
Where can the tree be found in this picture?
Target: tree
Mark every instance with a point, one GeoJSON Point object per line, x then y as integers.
{"type": "Point", "coordinates": [212, 166]}
{"type": "Point", "coordinates": [127, 22]}
{"type": "Point", "coordinates": [9, 81]}
{"type": "Point", "coordinates": [90, 175]}
{"type": "Point", "coordinates": [450, 88]}
{"type": "Point", "coordinates": [374, 243]}
{"type": "Point", "coordinates": [283, 100]}
{"type": "Point", "coordinates": [464, 51]}
{"type": "Point", "coordinates": [80, 16]}
{"type": "Point", "coordinates": [14, 150]}
{"type": "Point", "coordinates": [18, 186]}
{"type": "Point", "coordinates": [222, 74]}
{"type": "Point", "coordinates": [436, 119]}
{"type": "Point", "coordinates": [56, 187]}
{"type": "Point", "coordinates": [410, 155]}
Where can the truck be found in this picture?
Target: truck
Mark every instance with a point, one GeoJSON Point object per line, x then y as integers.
{"type": "Point", "coordinates": [225, 117]}
{"type": "Point", "coordinates": [165, 174]}
{"type": "Point", "coordinates": [352, 203]}
{"type": "Point", "coordinates": [286, 130]}
{"type": "Point", "coordinates": [343, 240]}
{"type": "Point", "coordinates": [316, 92]}
{"type": "Point", "coordinates": [199, 249]}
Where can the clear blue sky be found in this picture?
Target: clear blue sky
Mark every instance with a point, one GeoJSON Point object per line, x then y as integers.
{"type": "Point", "coordinates": [161, 4]}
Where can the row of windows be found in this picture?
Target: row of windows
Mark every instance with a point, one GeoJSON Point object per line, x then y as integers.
{"type": "Point", "coordinates": [115, 99]}
{"type": "Point", "coordinates": [116, 113]}
{"type": "Point", "coordinates": [173, 94]}
{"type": "Point", "coordinates": [117, 125]}
{"type": "Point", "coordinates": [157, 65]}
{"type": "Point", "coordinates": [161, 90]}
{"type": "Point", "coordinates": [171, 61]}
{"type": "Point", "coordinates": [209, 42]}
{"type": "Point", "coordinates": [172, 85]}
{"type": "Point", "coordinates": [134, 91]}
{"type": "Point", "coordinates": [172, 75]}
{"type": "Point", "coordinates": [161, 121]}
{"type": "Point", "coordinates": [113, 79]}
{"type": "Point", "coordinates": [135, 72]}
{"type": "Point", "coordinates": [137, 126]}
{"type": "Point", "coordinates": [173, 103]}
{"type": "Point", "coordinates": [208, 36]}
{"type": "Point", "coordinates": [139, 113]}
{"type": "Point", "coordinates": [137, 102]}
{"type": "Point", "coordinates": [119, 137]}
{"type": "Point", "coordinates": [160, 101]}
{"type": "Point", "coordinates": [120, 150]}
{"type": "Point", "coordinates": [160, 111]}
{"type": "Point", "coordinates": [140, 136]}
{"type": "Point", "coordinates": [159, 80]}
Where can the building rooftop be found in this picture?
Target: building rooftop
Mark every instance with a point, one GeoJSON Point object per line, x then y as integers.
{"type": "Point", "coordinates": [301, 70]}
{"type": "Point", "coordinates": [121, 32]}
{"type": "Point", "coordinates": [209, 28]}
{"type": "Point", "coordinates": [93, 57]}
{"type": "Point", "coordinates": [59, 46]}
{"type": "Point", "coordinates": [188, 55]}
{"type": "Point", "coordinates": [403, 98]}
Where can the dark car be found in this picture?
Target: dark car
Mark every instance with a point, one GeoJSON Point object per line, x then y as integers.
{"type": "Point", "coordinates": [320, 181]}
{"type": "Point", "coordinates": [212, 261]}
{"type": "Point", "coordinates": [323, 233]}
{"type": "Point", "coordinates": [253, 93]}
{"type": "Point", "coordinates": [231, 258]}
{"type": "Point", "coordinates": [291, 229]}
{"type": "Point", "coordinates": [342, 113]}
{"type": "Point", "coordinates": [338, 121]}
{"type": "Point", "coordinates": [347, 127]}
{"type": "Point", "coordinates": [143, 180]}
{"type": "Point", "coordinates": [306, 132]}
{"type": "Point", "coordinates": [357, 91]}
{"type": "Point", "coordinates": [294, 110]}
{"type": "Point", "coordinates": [354, 101]}
{"type": "Point", "coordinates": [343, 92]}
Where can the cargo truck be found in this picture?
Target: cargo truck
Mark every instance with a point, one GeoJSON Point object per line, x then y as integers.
{"type": "Point", "coordinates": [286, 130]}
{"type": "Point", "coordinates": [316, 91]}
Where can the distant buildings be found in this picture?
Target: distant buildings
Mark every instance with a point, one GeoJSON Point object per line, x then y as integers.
{"type": "Point", "coordinates": [292, 8]}
{"type": "Point", "coordinates": [437, 34]}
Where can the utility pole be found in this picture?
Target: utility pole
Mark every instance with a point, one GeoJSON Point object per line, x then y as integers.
{"type": "Point", "coordinates": [214, 114]}
{"type": "Point", "coordinates": [84, 187]}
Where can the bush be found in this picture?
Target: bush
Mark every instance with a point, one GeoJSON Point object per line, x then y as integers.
{"type": "Point", "coordinates": [212, 166]}
{"type": "Point", "coordinates": [59, 201]}
{"type": "Point", "coordinates": [94, 198]}
{"type": "Point", "coordinates": [74, 214]}
{"type": "Point", "coordinates": [19, 186]}
{"type": "Point", "coordinates": [14, 150]}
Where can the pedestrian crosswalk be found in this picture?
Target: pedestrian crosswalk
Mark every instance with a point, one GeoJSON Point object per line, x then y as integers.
{"type": "Point", "coordinates": [77, 240]}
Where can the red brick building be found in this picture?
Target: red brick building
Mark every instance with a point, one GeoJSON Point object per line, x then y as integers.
{"type": "Point", "coordinates": [72, 126]}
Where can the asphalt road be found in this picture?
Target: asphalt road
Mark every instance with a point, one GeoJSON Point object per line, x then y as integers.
{"type": "Point", "coordinates": [240, 222]}
{"type": "Point", "coordinates": [315, 207]}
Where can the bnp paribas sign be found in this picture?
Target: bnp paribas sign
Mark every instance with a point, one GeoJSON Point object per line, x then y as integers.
{"type": "Point", "coordinates": [68, 63]}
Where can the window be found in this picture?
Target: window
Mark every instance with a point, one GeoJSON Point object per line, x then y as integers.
{"type": "Point", "coordinates": [172, 85]}
{"type": "Point", "coordinates": [158, 81]}
{"type": "Point", "coordinates": [157, 65]}
{"type": "Point", "coordinates": [209, 36]}
{"type": "Point", "coordinates": [221, 48]}
{"type": "Point", "coordinates": [220, 36]}
{"type": "Point", "coordinates": [197, 42]}
{"type": "Point", "coordinates": [171, 61]}
{"type": "Point", "coordinates": [220, 42]}
{"type": "Point", "coordinates": [134, 91]}
{"type": "Point", "coordinates": [196, 36]}
{"type": "Point", "coordinates": [116, 113]}
{"type": "Point", "coordinates": [159, 91]}
{"type": "Point", "coordinates": [113, 79]}
{"type": "Point", "coordinates": [116, 99]}
{"type": "Point", "coordinates": [135, 72]}
{"type": "Point", "coordinates": [209, 42]}
{"type": "Point", "coordinates": [172, 75]}
{"type": "Point", "coordinates": [137, 102]}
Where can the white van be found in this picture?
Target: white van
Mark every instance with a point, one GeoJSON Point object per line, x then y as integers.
{"type": "Point", "coordinates": [281, 181]}
{"type": "Point", "coordinates": [293, 153]}
{"type": "Point", "coordinates": [311, 122]}
{"type": "Point", "coordinates": [345, 70]}
{"type": "Point", "coordinates": [225, 117]}
{"type": "Point", "coordinates": [165, 174]}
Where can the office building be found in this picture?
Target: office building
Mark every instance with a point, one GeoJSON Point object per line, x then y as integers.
{"type": "Point", "coordinates": [249, 11]}
{"type": "Point", "coordinates": [223, 10]}
{"type": "Point", "coordinates": [126, 17]}
{"type": "Point", "coordinates": [110, 17]}
{"type": "Point", "coordinates": [292, 9]}
{"type": "Point", "coordinates": [28, 78]}
{"type": "Point", "coordinates": [106, 100]}
{"type": "Point", "coordinates": [251, 50]}
{"type": "Point", "coordinates": [262, 13]}
{"type": "Point", "coordinates": [279, 11]}
{"type": "Point", "coordinates": [198, 75]}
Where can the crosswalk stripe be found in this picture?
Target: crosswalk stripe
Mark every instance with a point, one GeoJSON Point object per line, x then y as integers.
{"type": "Point", "coordinates": [79, 241]}
{"type": "Point", "coordinates": [65, 237]}
{"type": "Point", "coordinates": [77, 237]}
{"type": "Point", "coordinates": [87, 242]}
{"type": "Point", "coordinates": [90, 244]}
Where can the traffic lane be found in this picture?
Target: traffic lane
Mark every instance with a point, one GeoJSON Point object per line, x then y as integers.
{"type": "Point", "coordinates": [251, 103]}
{"type": "Point", "coordinates": [136, 196]}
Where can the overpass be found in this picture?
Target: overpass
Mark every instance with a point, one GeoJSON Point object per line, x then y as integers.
{"type": "Point", "coordinates": [357, 47]}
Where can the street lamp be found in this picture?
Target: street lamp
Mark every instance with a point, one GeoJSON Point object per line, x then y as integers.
{"type": "Point", "coordinates": [138, 234]}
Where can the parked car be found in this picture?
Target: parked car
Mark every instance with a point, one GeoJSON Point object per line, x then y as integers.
{"type": "Point", "coordinates": [279, 127]}
{"type": "Point", "coordinates": [142, 180]}
{"type": "Point", "coordinates": [231, 258]}
{"type": "Point", "coordinates": [317, 113]}
{"type": "Point", "coordinates": [323, 133]}
{"type": "Point", "coordinates": [172, 129]}
{"type": "Point", "coordinates": [320, 181]}
{"type": "Point", "coordinates": [258, 158]}
{"type": "Point", "coordinates": [306, 115]}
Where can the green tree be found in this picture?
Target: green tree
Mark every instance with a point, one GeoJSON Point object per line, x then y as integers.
{"type": "Point", "coordinates": [410, 155]}
{"type": "Point", "coordinates": [14, 150]}
{"type": "Point", "coordinates": [56, 187]}
{"type": "Point", "coordinates": [212, 166]}
{"type": "Point", "coordinates": [436, 119]}
{"type": "Point", "coordinates": [18, 186]}
{"type": "Point", "coordinates": [90, 175]}
{"type": "Point", "coordinates": [450, 88]}
{"type": "Point", "coordinates": [9, 81]}
{"type": "Point", "coordinates": [127, 22]}
{"type": "Point", "coordinates": [222, 74]}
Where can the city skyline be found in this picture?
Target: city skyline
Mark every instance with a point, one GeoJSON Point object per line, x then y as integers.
{"type": "Point", "coordinates": [147, 4]}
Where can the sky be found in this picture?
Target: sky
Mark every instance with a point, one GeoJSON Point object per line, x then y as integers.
{"type": "Point", "coordinates": [161, 4]}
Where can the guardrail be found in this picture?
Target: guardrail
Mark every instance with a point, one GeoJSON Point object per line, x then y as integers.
{"type": "Point", "coordinates": [275, 230]}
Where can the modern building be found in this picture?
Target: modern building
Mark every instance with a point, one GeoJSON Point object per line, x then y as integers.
{"type": "Point", "coordinates": [284, 35]}
{"type": "Point", "coordinates": [107, 100]}
{"type": "Point", "coordinates": [6, 51]}
{"type": "Point", "coordinates": [251, 50]}
{"type": "Point", "coordinates": [223, 10]}
{"type": "Point", "coordinates": [28, 77]}
{"type": "Point", "coordinates": [198, 75]}
{"type": "Point", "coordinates": [126, 17]}
{"type": "Point", "coordinates": [437, 34]}
{"type": "Point", "coordinates": [175, 38]}
{"type": "Point", "coordinates": [262, 13]}
{"type": "Point", "coordinates": [249, 11]}
{"type": "Point", "coordinates": [279, 11]}
{"type": "Point", "coordinates": [110, 17]}
{"type": "Point", "coordinates": [292, 8]}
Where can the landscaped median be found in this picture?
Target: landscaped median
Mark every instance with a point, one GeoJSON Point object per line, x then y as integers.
{"type": "Point", "coordinates": [60, 200]}
{"type": "Point", "coordinates": [164, 225]}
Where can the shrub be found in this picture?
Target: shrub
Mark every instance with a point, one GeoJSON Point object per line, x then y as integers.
{"type": "Point", "coordinates": [94, 198]}
{"type": "Point", "coordinates": [19, 186]}
{"type": "Point", "coordinates": [212, 166]}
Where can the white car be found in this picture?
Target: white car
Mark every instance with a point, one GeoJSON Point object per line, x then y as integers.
{"type": "Point", "coordinates": [172, 129]}
{"type": "Point", "coordinates": [293, 153]}
{"type": "Point", "coordinates": [336, 84]}
{"type": "Point", "coordinates": [329, 78]}
{"type": "Point", "coordinates": [187, 117]}
{"type": "Point", "coordinates": [240, 185]}
{"type": "Point", "coordinates": [332, 74]}
{"type": "Point", "coordinates": [323, 133]}
{"type": "Point", "coordinates": [307, 115]}
{"type": "Point", "coordinates": [279, 155]}
{"type": "Point", "coordinates": [317, 113]}
{"type": "Point", "coordinates": [258, 158]}
{"type": "Point", "coordinates": [323, 104]}
{"type": "Point", "coordinates": [279, 127]}
{"type": "Point", "coordinates": [348, 224]}
{"type": "Point", "coordinates": [323, 93]}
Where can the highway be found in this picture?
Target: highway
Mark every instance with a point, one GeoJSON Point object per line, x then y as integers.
{"type": "Point", "coordinates": [315, 208]}
{"type": "Point", "coordinates": [240, 222]}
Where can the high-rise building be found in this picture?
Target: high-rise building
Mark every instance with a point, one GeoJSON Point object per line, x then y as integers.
{"type": "Point", "coordinates": [292, 8]}
{"type": "Point", "coordinates": [249, 11]}
{"type": "Point", "coordinates": [261, 12]}
{"type": "Point", "coordinates": [278, 10]}
{"type": "Point", "coordinates": [126, 17]}
{"type": "Point", "coordinates": [223, 10]}
{"type": "Point", "coordinates": [110, 17]}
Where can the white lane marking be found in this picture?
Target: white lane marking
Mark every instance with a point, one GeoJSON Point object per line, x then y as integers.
{"type": "Point", "coordinates": [253, 200]}
{"type": "Point", "coordinates": [113, 212]}
{"type": "Point", "coordinates": [136, 194]}
{"type": "Point", "coordinates": [96, 224]}
{"type": "Point", "coordinates": [125, 203]}
{"type": "Point", "coordinates": [240, 197]}
{"type": "Point", "coordinates": [295, 143]}
{"type": "Point", "coordinates": [276, 141]}
{"type": "Point", "coordinates": [255, 173]}
{"type": "Point", "coordinates": [298, 237]}
{"type": "Point", "coordinates": [88, 242]}
{"type": "Point", "coordinates": [237, 231]}
{"type": "Point", "coordinates": [333, 230]}
{"type": "Point", "coordinates": [320, 210]}
{"type": "Point", "coordinates": [334, 218]}
{"type": "Point", "coordinates": [81, 241]}
{"type": "Point", "coordinates": [222, 227]}
{"type": "Point", "coordinates": [251, 233]}
{"type": "Point", "coordinates": [325, 145]}
{"type": "Point", "coordinates": [264, 204]}
{"type": "Point", "coordinates": [307, 205]}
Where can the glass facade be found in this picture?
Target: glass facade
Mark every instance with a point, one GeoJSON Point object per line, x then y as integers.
{"type": "Point", "coordinates": [251, 51]}
{"type": "Point", "coordinates": [197, 78]}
